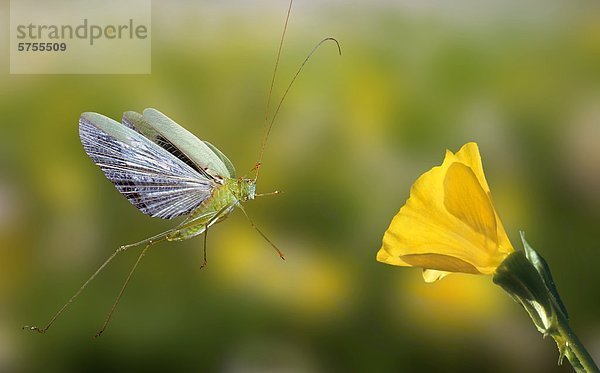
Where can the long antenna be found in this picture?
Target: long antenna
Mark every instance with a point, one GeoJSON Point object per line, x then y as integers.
{"type": "Point", "coordinates": [266, 126]}
{"type": "Point", "coordinates": [287, 18]}
{"type": "Point", "coordinates": [269, 124]}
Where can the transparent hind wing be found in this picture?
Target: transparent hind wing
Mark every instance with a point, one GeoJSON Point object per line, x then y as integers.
{"type": "Point", "coordinates": [155, 181]}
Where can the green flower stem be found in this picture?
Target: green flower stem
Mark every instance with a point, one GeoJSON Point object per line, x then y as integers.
{"type": "Point", "coordinates": [526, 277]}
{"type": "Point", "coordinates": [578, 356]}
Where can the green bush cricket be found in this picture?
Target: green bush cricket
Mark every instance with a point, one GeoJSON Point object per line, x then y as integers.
{"type": "Point", "coordinates": [167, 172]}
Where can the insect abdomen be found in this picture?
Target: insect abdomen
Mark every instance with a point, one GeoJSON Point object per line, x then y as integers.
{"type": "Point", "coordinates": [211, 211]}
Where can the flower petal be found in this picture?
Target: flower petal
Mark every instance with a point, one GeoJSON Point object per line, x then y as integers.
{"type": "Point", "coordinates": [465, 199]}
{"type": "Point", "coordinates": [469, 155]}
{"type": "Point", "coordinates": [449, 222]}
{"type": "Point", "coordinates": [439, 262]}
{"type": "Point", "coordinates": [384, 257]}
{"type": "Point", "coordinates": [432, 275]}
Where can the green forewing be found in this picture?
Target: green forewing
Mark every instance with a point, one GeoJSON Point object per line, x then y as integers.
{"type": "Point", "coordinates": [153, 124]}
{"type": "Point", "coordinates": [111, 127]}
{"type": "Point", "coordinates": [223, 158]}
{"type": "Point", "coordinates": [137, 121]}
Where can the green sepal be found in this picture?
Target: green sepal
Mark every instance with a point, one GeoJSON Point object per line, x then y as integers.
{"type": "Point", "coordinates": [544, 270]}
{"type": "Point", "coordinates": [521, 280]}
{"type": "Point", "coordinates": [525, 275]}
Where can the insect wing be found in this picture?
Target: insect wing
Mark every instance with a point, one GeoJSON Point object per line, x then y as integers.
{"type": "Point", "coordinates": [188, 144]}
{"type": "Point", "coordinates": [137, 122]}
{"type": "Point", "coordinates": [152, 179]}
{"type": "Point", "coordinates": [223, 159]}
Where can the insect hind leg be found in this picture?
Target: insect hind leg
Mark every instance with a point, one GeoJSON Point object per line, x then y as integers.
{"type": "Point", "coordinates": [114, 306]}
{"type": "Point", "coordinates": [149, 242]}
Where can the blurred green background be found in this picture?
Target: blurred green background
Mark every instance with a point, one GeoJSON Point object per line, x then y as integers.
{"type": "Point", "coordinates": [520, 78]}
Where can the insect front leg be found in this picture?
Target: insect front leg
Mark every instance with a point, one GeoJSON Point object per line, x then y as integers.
{"type": "Point", "coordinates": [279, 252]}
{"type": "Point", "coordinates": [274, 193]}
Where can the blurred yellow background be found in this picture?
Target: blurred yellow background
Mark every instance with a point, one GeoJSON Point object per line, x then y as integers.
{"type": "Point", "coordinates": [415, 78]}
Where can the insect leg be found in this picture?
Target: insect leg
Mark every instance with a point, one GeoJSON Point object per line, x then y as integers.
{"type": "Point", "coordinates": [211, 221]}
{"type": "Point", "coordinates": [151, 240]}
{"type": "Point", "coordinates": [205, 234]}
{"type": "Point", "coordinates": [82, 288]}
{"type": "Point", "coordinates": [261, 233]}
{"type": "Point", "coordinates": [112, 310]}
{"type": "Point", "coordinates": [268, 194]}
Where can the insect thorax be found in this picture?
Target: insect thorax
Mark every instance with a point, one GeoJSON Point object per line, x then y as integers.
{"type": "Point", "coordinates": [242, 189]}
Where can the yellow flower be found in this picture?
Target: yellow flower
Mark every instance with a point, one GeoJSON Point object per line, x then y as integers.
{"type": "Point", "coordinates": [449, 223]}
